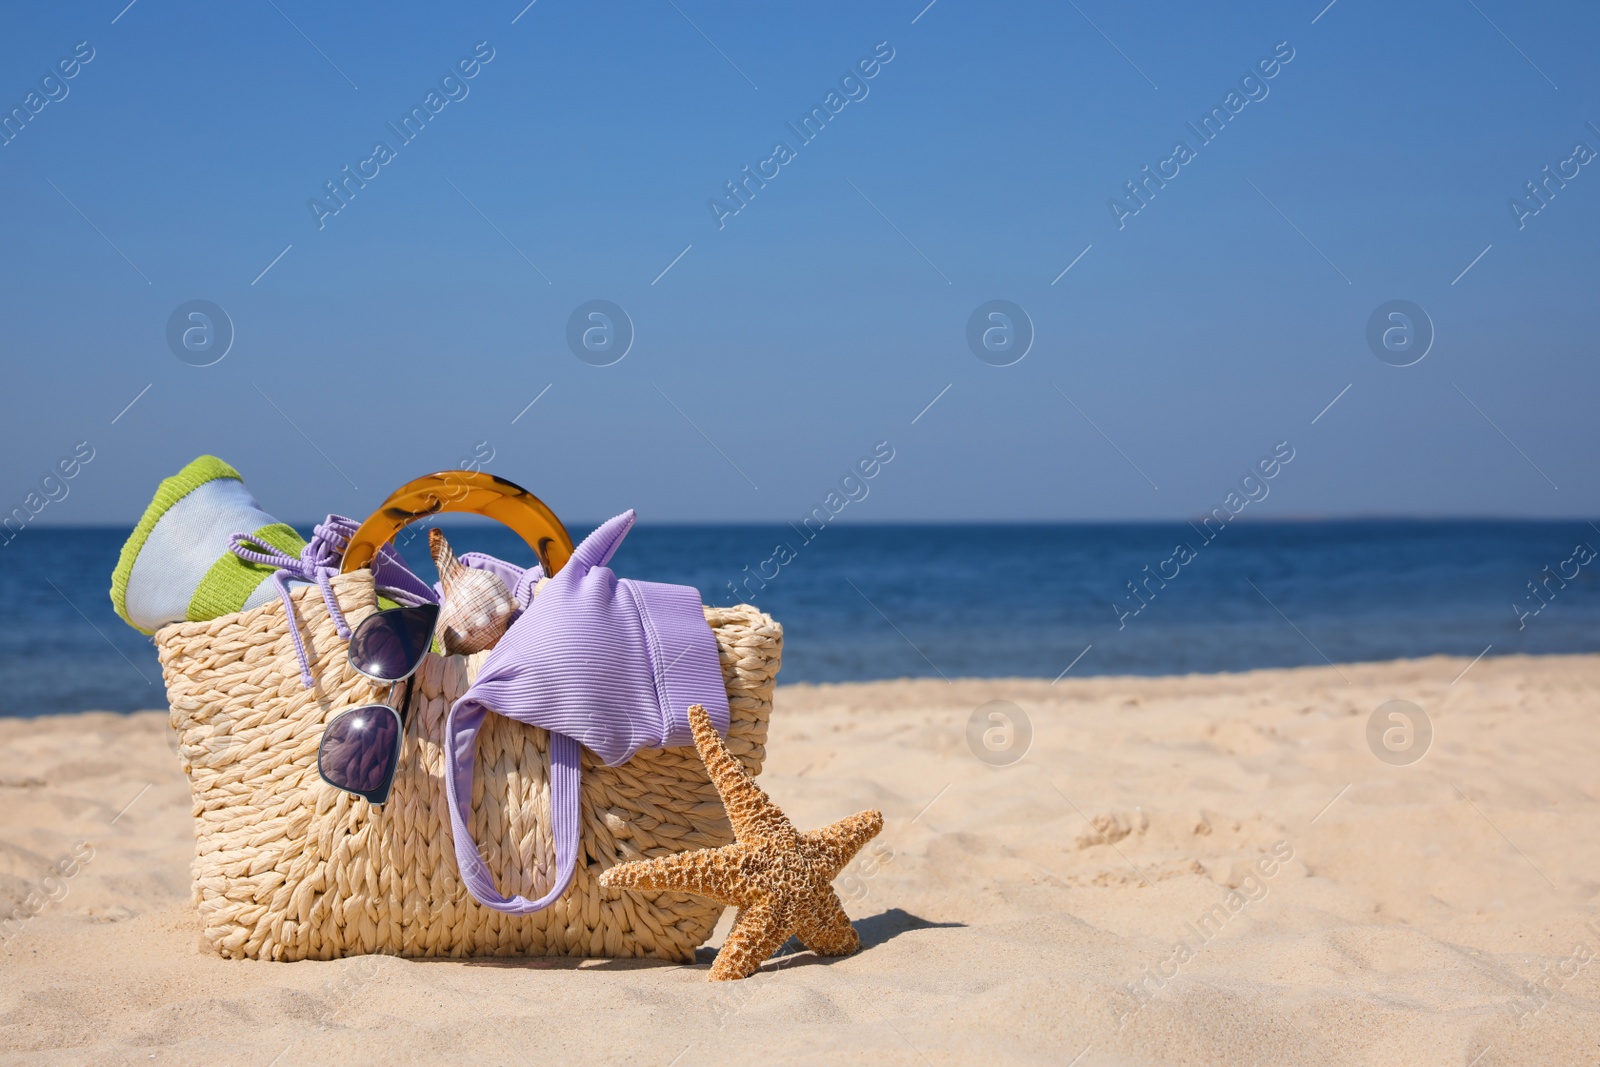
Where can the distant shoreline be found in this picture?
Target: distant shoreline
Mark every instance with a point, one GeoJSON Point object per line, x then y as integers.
{"type": "Point", "coordinates": [1458, 668]}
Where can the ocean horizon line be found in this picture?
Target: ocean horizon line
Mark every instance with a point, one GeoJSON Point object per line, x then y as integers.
{"type": "Point", "coordinates": [1260, 521]}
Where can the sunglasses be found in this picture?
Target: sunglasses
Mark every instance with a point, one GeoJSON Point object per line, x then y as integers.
{"type": "Point", "coordinates": [360, 749]}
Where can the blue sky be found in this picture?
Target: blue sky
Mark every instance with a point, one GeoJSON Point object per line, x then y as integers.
{"type": "Point", "coordinates": [772, 351]}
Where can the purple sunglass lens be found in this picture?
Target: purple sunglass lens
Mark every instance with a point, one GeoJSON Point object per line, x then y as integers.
{"type": "Point", "coordinates": [358, 748]}
{"type": "Point", "coordinates": [390, 644]}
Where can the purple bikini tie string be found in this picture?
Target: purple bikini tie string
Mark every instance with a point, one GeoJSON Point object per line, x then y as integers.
{"type": "Point", "coordinates": [310, 566]}
{"type": "Point", "coordinates": [318, 562]}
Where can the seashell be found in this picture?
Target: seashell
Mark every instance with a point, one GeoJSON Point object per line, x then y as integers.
{"type": "Point", "coordinates": [477, 605]}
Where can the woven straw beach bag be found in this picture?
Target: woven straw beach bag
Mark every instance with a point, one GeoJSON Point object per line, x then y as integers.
{"type": "Point", "coordinates": [287, 868]}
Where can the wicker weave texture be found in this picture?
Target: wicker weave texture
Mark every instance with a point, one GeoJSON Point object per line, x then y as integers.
{"type": "Point", "coordinates": [288, 868]}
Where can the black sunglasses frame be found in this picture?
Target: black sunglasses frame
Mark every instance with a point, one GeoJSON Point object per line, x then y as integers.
{"type": "Point", "coordinates": [377, 797]}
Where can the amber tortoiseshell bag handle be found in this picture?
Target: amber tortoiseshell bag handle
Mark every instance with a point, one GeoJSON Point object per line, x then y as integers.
{"type": "Point", "coordinates": [473, 492]}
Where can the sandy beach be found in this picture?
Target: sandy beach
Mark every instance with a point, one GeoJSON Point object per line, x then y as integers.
{"type": "Point", "coordinates": [1192, 870]}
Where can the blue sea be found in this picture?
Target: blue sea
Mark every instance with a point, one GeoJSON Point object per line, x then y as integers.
{"type": "Point", "coordinates": [894, 601]}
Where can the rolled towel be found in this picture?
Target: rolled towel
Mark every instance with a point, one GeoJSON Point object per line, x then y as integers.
{"type": "Point", "coordinates": [176, 566]}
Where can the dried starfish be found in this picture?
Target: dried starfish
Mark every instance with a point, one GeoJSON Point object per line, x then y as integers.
{"type": "Point", "coordinates": [778, 878]}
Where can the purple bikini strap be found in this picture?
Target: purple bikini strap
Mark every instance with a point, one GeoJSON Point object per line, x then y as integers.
{"type": "Point", "coordinates": [461, 746]}
{"type": "Point", "coordinates": [317, 563]}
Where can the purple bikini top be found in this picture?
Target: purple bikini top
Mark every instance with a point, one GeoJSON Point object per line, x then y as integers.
{"type": "Point", "coordinates": [607, 663]}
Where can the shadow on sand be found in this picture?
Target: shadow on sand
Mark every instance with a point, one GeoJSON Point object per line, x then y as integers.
{"type": "Point", "coordinates": [875, 930]}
